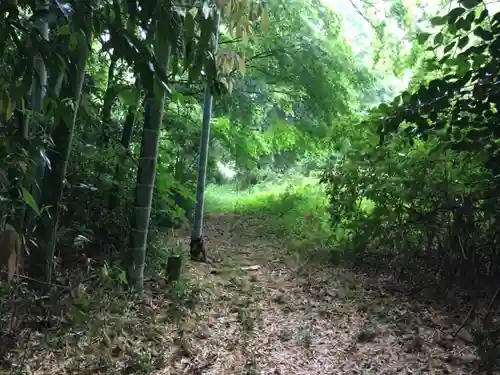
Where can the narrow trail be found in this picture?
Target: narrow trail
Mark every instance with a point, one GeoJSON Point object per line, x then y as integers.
{"type": "Point", "coordinates": [269, 316]}
{"type": "Point", "coordinates": [255, 311]}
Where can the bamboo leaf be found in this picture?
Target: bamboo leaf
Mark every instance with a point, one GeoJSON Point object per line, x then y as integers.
{"type": "Point", "coordinates": [30, 201]}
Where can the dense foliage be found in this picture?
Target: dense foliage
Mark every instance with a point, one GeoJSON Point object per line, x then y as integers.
{"type": "Point", "coordinates": [101, 112]}
{"type": "Point", "coordinates": [424, 189]}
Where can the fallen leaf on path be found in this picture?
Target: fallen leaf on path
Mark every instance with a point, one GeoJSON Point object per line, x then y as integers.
{"type": "Point", "coordinates": [250, 268]}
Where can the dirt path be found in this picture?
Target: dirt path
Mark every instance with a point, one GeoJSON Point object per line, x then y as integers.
{"type": "Point", "coordinates": [253, 312]}
{"type": "Point", "coordinates": [266, 316]}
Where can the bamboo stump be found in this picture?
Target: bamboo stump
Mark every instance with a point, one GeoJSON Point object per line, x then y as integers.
{"type": "Point", "coordinates": [174, 265]}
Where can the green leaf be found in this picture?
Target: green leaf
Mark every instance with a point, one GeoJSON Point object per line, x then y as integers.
{"type": "Point", "coordinates": [453, 15]}
{"type": "Point", "coordinates": [63, 30]}
{"type": "Point", "coordinates": [463, 67]}
{"type": "Point", "coordinates": [384, 108]}
{"type": "Point", "coordinates": [471, 17]}
{"type": "Point", "coordinates": [452, 28]}
{"type": "Point", "coordinates": [406, 96]}
{"type": "Point", "coordinates": [76, 316]}
{"type": "Point", "coordinates": [484, 34]}
{"type": "Point", "coordinates": [464, 23]}
{"type": "Point", "coordinates": [73, 41]}
{"type": "Point", "coordinates": [431, 64]}
{"type": "Point", "coordinates": [438, 39]}
{"type": "Point", "coordinates": [449, 47]}
{"type": "Point", "coordinates": [123, 277]}
{"type": "Point", "coordinates": [463, 41]}
{"type": "Point", "coordinates": [475, 50]}
{"type": "Point", "coordinates": [469, 4]}
{"type": "Point", "coordinates": [482, 16]}
{"type": "Point", "coordinates": [438, 21]}
{"type": "Point", "coordinates": [30, 201]}
{"type": "Point", "coordinates": [465, 79]}
{"type": "Point", "coordinates": [478, 61]}
{"type": "Point", "coordinates": [423, 37]}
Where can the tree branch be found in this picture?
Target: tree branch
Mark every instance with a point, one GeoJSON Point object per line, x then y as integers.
{"type": "Point", "coordinates": [377, 32]}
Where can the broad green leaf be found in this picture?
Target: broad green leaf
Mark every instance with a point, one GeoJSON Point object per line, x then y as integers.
{"type": "Point", "coordinates": [423, 37]}
{"type": "Point", "coordinates": [484, 34]}
{"type": "Point", "coordinates": [123, 277]}
{"type": "Point", "coordinates": [464, 23]}
{"type": "Point", "coordinates": [453, 15]}
{"type": "Point", "coordinates": [384, 108]}
{"type": "Point", "coordinates": [452, 28]}
{"type": "Point", "coordinates": [463, 66]}
{"type": "Point", "coordinates": [463, 41]}
{"type": "Point", "coordinates": [438, 39]}
{"type": "Point", "coordinates": [482, 16]}
{"type": "Point", "coordinates": [406, 97]}
{"type": "Point", "coordinates": [469, 4]}
{"type": "Point", "coordinates": [478, 61]}
{"type": "Point", "coordinates": [438, 21]}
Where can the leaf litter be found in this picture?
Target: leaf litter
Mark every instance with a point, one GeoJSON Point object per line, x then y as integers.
{"type": "Point", "coordinates": [252, 312]}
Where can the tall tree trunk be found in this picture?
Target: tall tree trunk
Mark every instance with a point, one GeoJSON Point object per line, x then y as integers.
{"type": "Point", "coordinates": [128, 128]}
{"type": "Point", "coordinates": [130, 119]}
{"type": "Point", "coordinates": [38, 91]}
{"type": "Point", "coordinates": [146, 173]}
{"type": "Point", "coordinates": [18, 217]}
{"type": "Point", "coordinates": [109, 98]}
{"type": "Point", "coordinates": [198, 251]}
{"type": "Point", "coordinates": [41, 262]}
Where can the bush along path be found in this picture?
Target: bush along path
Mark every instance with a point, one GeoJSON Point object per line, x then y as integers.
{"type": "Point", "coordinates": [254, 311]}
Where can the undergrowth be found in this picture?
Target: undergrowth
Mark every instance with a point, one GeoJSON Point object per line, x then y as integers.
{"type": "Point", "coordinates": [294, 211]}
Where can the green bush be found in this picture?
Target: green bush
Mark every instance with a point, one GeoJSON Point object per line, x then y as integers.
{"type": "Point", "coordinates": [409, 202]}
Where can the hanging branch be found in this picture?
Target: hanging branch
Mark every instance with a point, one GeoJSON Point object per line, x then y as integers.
{"type": "Point", "coordinates": [377, 32]}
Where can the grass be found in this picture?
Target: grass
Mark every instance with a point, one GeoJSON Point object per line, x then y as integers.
{"type": "Point", "coordinates": [294, 210]}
